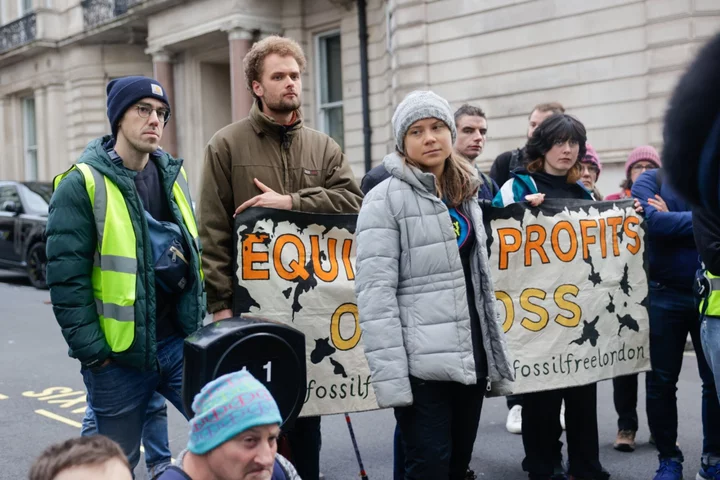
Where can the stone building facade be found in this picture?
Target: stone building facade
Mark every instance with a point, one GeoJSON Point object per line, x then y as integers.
{"type": "Point", "coordinates": [612, 63]}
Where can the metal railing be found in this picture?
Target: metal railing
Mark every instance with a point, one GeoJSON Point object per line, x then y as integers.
{"type": "Point", "coordinates": [19, 32]}
{"type": "Point", "coordinates": [97, 12]}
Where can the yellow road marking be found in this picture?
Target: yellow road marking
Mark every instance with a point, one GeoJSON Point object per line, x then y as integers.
{"type": "Point", "coordinates": [72, 423]}
{"type": "Point", "coordinates": [59, 418]}
{"type": "Point", "coordinates": [3, 397]}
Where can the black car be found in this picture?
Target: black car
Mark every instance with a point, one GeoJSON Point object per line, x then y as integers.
{"type": "Point", "coordinates": [23, 216]}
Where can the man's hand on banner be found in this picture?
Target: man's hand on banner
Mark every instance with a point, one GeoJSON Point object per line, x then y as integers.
{"type": "Point", "coordinates": [269, 199]}
{"type": "Point", "coordinates": [535, 199]}
{"type": "Point", "coordinates": [658, 203]}
{"type": "Point", "coordinates": [222, 315]}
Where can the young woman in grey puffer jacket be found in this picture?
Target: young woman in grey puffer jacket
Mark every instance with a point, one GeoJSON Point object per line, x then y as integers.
{"type": "Point", "coordinates": [425, 296]}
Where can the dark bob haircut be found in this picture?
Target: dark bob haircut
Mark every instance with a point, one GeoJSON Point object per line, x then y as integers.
{"type": "Point", "coordinates": [557, 128]}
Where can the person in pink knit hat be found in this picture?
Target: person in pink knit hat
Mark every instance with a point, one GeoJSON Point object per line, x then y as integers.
{"type": "Point", "coordinates": [640, 159]}
{"type": "Point", "coordinates": [591, 168]}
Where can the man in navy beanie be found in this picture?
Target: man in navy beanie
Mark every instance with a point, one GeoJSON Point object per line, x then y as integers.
{"type": "Point", "coordinates": [124, 271]}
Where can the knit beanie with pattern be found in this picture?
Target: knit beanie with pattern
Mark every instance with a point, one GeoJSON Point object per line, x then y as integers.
{"type": "Point", "coordinates": [228, 406]}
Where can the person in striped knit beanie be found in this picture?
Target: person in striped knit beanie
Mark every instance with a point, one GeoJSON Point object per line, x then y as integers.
{"type": "Point", "coordinates": [233, 435]}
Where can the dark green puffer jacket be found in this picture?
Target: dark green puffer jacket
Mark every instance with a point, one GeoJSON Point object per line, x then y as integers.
{"type": "Point", "coordinates": [71, 244]}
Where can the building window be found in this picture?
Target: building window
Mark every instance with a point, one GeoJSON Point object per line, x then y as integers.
{"type": "Point", "coordinates": [329, 85]}
{"type": "Point", "coordinates": [26, 6]}
{"type": "Point", "coordinates": [30, 139]}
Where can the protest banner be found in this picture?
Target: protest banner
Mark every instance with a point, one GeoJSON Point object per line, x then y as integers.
{"type": "Point", "coordinates": [571, 285]}
{"type": "Point", "coordinates": [299, 268]}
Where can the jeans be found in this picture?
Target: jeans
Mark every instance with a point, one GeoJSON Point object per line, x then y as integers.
{"type": "Point", "coordinates": [710, 335]}
{"type": "Point", "coordinates": [625, 398]}
{"type": "Point", "coordinates": [305, 440]}
{"type": "Point", "coordinates": [154, 437]}
{"type": "Point", "coordinates": [541, 433]}
{"type": "Point", "coordinates": [120, 396]}
{"type": "Point", "coordinates": [673, 315]}
{"type": "Point", "coordinates": [438, 430]}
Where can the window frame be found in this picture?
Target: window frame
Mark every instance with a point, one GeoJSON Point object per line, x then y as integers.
{"type": "Point", "coordinates": [30, 161]}
{"type": "Point", "coordinates": [21, 8]}
{"type": "Point", "coordinates": [321, 80]}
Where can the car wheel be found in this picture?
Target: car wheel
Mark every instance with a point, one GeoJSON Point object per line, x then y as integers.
{"type": "Point", "coordinates": [36, 265]}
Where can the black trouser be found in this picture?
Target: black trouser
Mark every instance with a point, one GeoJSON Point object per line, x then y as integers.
{"type": "Point", "coordinates": [438, 430]}
{"type": "Point", "coordinates": [305, 439]}
{"type": "Point", "coordinates": [541, 434]}
{"type": "Point", "coordinates": [625, 398]}
{"type": "Point", "coordinates": [513, 400]}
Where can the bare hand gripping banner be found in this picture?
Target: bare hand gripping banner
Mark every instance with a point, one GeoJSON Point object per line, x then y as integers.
{"type": "Point", "coordinates": [571, 284]}
{"type": "Point", "coordinates": [299, 269]}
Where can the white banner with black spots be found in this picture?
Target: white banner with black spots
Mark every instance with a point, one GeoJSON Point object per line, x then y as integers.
{"type": "Point", "coordinates": [572, 292]}
{"type": "Point", "coordinates": [299, 269]}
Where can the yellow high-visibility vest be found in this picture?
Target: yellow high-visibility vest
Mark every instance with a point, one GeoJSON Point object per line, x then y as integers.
{"type": "Point", "coordinates": [115, 266]}
{"type": "Point", "coordinates": [713, 296]}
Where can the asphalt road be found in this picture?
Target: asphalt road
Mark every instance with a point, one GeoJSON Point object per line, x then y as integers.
{"type": "Point", "coordinates": [42, 400]}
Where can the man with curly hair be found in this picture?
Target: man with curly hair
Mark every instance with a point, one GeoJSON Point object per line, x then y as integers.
{"type": "Point", "coordinates": [270, 159]}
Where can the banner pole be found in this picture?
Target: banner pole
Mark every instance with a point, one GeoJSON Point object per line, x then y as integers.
{"type": "Point", "coordinates": [363, 475]}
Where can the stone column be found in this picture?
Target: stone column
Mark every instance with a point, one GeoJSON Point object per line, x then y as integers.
{"type": "Point", "coordinates": [240, 43]}
{"type": "Point", "coordinates": [5, 166]}
{"type": "Point", "coordinates": [58, 158]}
{"type": "Point", "coordinates": [163, 73]}
{"type": "Point", "coordinates": [41, 129]}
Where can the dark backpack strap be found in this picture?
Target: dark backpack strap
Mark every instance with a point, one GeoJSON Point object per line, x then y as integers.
{"type": "Point", "coordinates": [174, 473]}
{"type": "Point", "coordinates": [514, 160]}
{"type": "Point", "coordinates": [490, 184]}
{"type": "Point", "coordinates": [278, 472]}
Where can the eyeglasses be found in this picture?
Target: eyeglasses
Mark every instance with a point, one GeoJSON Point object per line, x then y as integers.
{"type": "Point", "coordinates": [590, 167]}
{"type": "Point", "coordinates": [163, 114]}
{"type": "Point", "coordinates": [637, 167]}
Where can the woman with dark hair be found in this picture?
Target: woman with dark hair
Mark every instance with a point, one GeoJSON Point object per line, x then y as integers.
{"type": "Point", "coordinates": [424, 293]}
{"type": "Point", "coordinates": [640, 159]}
{"type": "Point", "coordinates": [554, 170]}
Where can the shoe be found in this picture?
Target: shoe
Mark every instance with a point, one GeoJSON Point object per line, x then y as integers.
{"type": "Point", "coordinates": [562, 415]}
{"type": "Point", "coordinates": [514, 420]}
{"type": "Point", "coordinates": [708, 472]}
{"type": "Point", "coordinates": [625, 441]}
{"type": "Point", "coordinates": [470, 475]}
{"type": "Point", "coordinates": [669, 470]}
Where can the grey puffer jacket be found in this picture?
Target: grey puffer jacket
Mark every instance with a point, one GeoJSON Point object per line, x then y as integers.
{"type": "Point", "coordinates": [411, 291]}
